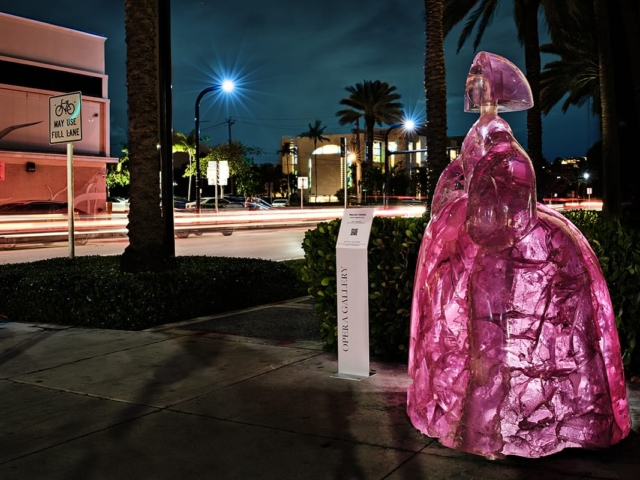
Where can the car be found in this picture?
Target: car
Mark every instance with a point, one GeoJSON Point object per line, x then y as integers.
{"type": "Point", "coordinates": [179, 202]}
{"type": "Point", "coordinates": [205, 202]}
{"type": "Point", "coordinates": [412, 202]}
{"type": "Point", "coordinates": [210, 202]}
{"type": "Point", "coordinates": [118, 204]}
{"type": "Point", "coordinates": [32, 207]}
{"type": "Point", "coordinates": [279, 202]}
{"type": "Point", "coordinates": [259, 203]}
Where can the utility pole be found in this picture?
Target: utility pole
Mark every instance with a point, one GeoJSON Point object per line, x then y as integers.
{"type": "Point", "coordinates": [229, 123]}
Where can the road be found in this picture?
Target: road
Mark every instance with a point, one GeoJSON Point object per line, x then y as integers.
{"type": "Point", "coordinates": [270, 244]}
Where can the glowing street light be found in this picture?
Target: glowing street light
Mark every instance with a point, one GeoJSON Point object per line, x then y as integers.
{"type": "Point", "coordinates": [408, 126]}
{"type": "Point", "coordinates": [226, 86]}
{"type": "Point", "coordinates": [586, 181]}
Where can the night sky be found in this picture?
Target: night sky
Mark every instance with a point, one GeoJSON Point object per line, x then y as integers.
{"type": "Point", "coordinates": [292, 61]}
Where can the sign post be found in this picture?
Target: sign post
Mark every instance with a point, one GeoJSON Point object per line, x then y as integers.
{"type": "Point", "coordinates": [65, 126]}
{"type": "Point", "coordinates": [352, 286]}
{"type": "Point", "coordinates": [303, 184]}
{"type": "Point", "coordinates": [217, 174]}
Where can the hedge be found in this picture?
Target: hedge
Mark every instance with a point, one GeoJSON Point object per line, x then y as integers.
{"type": "Point", "coordinates": [393, 248]}
{"type": "Point", "coordinates": [92, 292]}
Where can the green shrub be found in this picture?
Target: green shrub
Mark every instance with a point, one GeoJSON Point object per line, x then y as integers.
{"type": "Point", "coordinates": [393, 247]}
{"type": "Point", "coordinates": [392, 257]}
{"type": "Point", "coordinates": [617, 247]}
{"type": "Point", "coordinates": [92, 292]}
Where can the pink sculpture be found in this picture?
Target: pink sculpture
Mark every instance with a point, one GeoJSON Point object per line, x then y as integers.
{"type": "Point", "coordinates": [514, 348]}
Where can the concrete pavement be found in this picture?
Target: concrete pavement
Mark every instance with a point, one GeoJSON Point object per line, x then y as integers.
{"type": "Point", "coordinates": [185, 402]}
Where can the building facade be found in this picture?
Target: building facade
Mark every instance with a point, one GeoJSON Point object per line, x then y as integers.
{"type": "Point", "coordinates": [324, 166]}
{"type": "Point", "coordinates": [38, 61]}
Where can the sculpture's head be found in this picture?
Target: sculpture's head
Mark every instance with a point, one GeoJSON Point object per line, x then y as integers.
{"type": "Point", "coordinates": [494, 79]}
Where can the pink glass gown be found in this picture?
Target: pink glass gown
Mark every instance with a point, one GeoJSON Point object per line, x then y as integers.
{"type": "Point", "coordinates": [513, 345]}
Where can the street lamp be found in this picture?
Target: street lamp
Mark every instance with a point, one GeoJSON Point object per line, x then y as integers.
{"type": "Point", "coordinates": [586, 182]}
{"type": "Point", "coordinates": [226, 86]}
{"type": "Point", "coordinates": [408, 125]}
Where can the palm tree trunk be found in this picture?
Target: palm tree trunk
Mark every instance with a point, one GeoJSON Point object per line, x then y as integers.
{"type": "Point", "coordinates": [190, 177]}
{"type": "Point", "coordinates": [532, 66]}
{"type": "Point", "coordinates": [435, 94]}
{"type": "Point", "coordinates": [288, 179]}
{"type": "Point", "coordinates": [358, 164]}
{"type": "Point", "coordinates": [315, 161]}
{"type": "Point", "coordinates": [145, 251]}
{"type": "Point", "coordinates": [612, 207]}
{"type": "Point", "coordinates": [631, 23]}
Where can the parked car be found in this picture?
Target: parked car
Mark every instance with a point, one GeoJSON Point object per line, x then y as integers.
{"type": "Point", "coordinates": [179, 202]}
{"type": "Point", "coordinates": [119, 204]}
{"type": "Point", "coordinates": [29, 207]}
{"type": "Point", "coordinates": [210, 202]}
{"type": "Point", "coordinates": [259, 203]}
{"type": "Point", "coordinates": [279, 202]}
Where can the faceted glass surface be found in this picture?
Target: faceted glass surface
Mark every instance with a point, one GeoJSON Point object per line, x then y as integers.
{"type": "Point", "coordinates": [513, 347]}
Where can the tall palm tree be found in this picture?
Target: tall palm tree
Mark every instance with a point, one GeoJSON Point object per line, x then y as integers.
{"type": "Point", "coordinates": [145, 251]}
{"type": "Point", "coordinates": [286, 151]}
{"type": "Point", "coordinates": [611, 197]}
{"type": "Point", "coordinates": [584, 67]}
{"type": "Point", "coordinates": [526, 20]}
{"type": "Point", "coordinates": [352, 117]}
{"type": "Point", "coordinates": [315, 133]}
{"type": "Point", "coordinates": [187, 144]}
{"type": "Point", "coordinates": [435, 86]}
{"type": "Point", "coordinates": [375, 102]}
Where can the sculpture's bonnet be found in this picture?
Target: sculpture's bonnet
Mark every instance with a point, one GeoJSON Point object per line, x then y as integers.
{"type": "Point", "coordinates": [509, 86]}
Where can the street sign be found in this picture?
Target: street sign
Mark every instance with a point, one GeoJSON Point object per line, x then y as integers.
{"type": "Point", "coordinates": [303, 183]}
{"type": "Point", "coordinates": [218, 172]}
{"type": "Point", "coordinates": [65, 119]}
{"type": "Point", "coordinates": [353, 293]}
{"type": "Point", "coordinates": [212, 173]}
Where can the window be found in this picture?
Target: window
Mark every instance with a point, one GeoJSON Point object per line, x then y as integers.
{"type": "Point", "coordinates": [31, 76]}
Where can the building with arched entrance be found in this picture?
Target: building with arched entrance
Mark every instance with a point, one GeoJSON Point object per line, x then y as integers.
{"type": "Point", "coordinates": [325, 168]}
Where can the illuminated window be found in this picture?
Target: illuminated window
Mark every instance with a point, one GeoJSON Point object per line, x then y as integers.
{"type": "Point", "coordinates": [327, 150]}
{"type": "Point", "coordinates": [377, 152]}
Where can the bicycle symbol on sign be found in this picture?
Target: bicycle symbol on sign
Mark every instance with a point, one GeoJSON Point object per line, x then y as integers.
{"type": "Point", "coordinates": [65, 107]}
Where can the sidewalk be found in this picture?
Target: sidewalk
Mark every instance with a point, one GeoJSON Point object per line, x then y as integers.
{"type": "Point", "coordinates": [187, 403]}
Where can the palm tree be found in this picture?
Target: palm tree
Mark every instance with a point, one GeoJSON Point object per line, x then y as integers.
{"type": "Point", "coordinates": [435, 86]}
{"type": "Point", "coordinates": [526, 20]}
{"type": "Point", "coordinates": [187, 144]}
{"type": "Point", "coordinates": [286, 151]}
{"type": "Point", "coordinates": [348, 117]}
{"type": "Point", "coordinates": [579, 75]}
{"type": "Point", "coordinates": [611, 198]}
{"type": "Point", "coordinates": [145, 251]}
{"type": "Point", "coordinates": [315, 133]}
{"type": "Point", "coordinates": [376, 102]}
{"type": "Point", "coordinates": [118, 174]}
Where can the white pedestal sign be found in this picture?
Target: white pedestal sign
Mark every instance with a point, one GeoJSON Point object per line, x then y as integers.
{"type": "Point", "coordinates": [352, 286]}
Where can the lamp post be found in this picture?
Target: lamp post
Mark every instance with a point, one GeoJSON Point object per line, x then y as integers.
{"type": "Point", "coordinates": [408, 125]}
{"type": "Point", "coordinates": [586, 183]}
{"type": "Point", "coordinates": [226, 86]}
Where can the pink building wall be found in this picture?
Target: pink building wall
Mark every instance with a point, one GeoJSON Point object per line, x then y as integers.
{"type": "Point", "coordinates": [24, 113]}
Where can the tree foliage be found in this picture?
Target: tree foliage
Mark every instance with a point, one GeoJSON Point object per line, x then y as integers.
{"type": "Point", "coordinates": [118, 173]}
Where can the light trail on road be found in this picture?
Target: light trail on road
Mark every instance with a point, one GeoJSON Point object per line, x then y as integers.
{"type": "Point", "coordinates": [269, 244]}
{"type": "Point", "coordinates": [33, 229]}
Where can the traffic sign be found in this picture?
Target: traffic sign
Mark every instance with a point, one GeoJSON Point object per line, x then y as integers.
{"type": "Point", "coordinates": [65, 119]}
